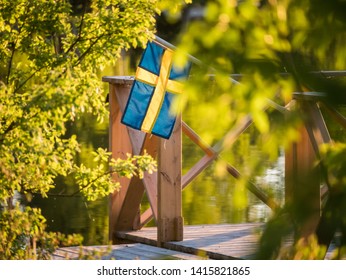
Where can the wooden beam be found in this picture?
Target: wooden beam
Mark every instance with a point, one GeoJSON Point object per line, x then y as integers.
{"type": "Point", "coordinates": [197, 169]}
{"type": "Point", "coordinates": [189, 132]}
{"type": "Point", "coordinates": [335, 114]}
{"type": "Point", "coordinates": [315, 126]}
{"type": "Point", "coordinates": [170, 220]}
{"type": "Point", "coordinates": [129, 216]}
{"type": "Point", "coordinates": [119, 146]}
{"type": "Point", "coordinates": [146, 217]}
{"type": "Point", "coordinates": [151, 146]}
{"type": "Point", "coordinates": [214, 152]}
{"type": "Point", "coordinates": [125, 204]}
{"type": "Point", "coordinates": [234, 133]}
{"type": "Point", "coordinates": [253, 188]}
{"type": "Point", "coordinates": [302, 177]}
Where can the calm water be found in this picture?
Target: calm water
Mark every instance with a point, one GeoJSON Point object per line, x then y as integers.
{"type": "Point", "coordinates": [209, 199]}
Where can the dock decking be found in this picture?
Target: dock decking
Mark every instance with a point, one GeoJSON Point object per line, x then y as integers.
{"type": "Point", "coordinates": [218, 242]}
{"type": "Point", "coordinates": [134, 251]}
{"type": "Point", "coordinates": [224, 241]}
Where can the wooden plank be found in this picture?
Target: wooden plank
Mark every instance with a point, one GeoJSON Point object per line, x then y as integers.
{"type": "Point", "coordinates": [318, 134]}
{"type": "Point", "coordinates": [170, 221]}
{"type": "Point", "coordinates": [151, 144]}
{"type": "Point", "coordinates": [124, 254]}
{"type": "Point", "coordinates": [140, 142]}
{"type": "Point", "coordinates": [146, 217]}
{"type": "Point", "coordinates": [133, 251]}
{"type": "Point", "coordinates": [139, 253]}
{"type": "Point", "coordinates": [166, 252]}
{"type": "Point", "coordinates": [118, 80]}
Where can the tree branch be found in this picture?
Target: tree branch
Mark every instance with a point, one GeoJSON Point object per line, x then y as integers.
{"type": "Point", "coordinates": [83, 187]}
{"type": "Point", "coordinates": [9, 67]}
{"type": "Point", "coordinates": [79, 33]}
{"type": "Point", "coordinates": [14, 46]}
{"type": "Point", "coordinates": [28, 79]}
{"type": "Point", "coordinates": [93, 181]}
{"type": "Point", "coordinates": [88, 50]}
{"type": "Point", "coordinates": [14, 124]}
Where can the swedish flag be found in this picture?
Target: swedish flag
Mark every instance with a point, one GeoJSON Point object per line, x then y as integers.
{"type": "Point", "coordinates": [156, 83]}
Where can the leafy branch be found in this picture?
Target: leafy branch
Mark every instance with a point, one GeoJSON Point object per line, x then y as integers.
{"type": "Point", "coordinates": [80, 28]}
{"type": "Point", "coordinates": [97, 182]}
{"type": "Point", "coordinates": [14, 45]}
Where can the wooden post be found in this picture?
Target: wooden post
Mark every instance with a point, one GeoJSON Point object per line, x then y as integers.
{"type": "Point", "coordinates": [124, 204]}
{"type": "Point", "coordinates": [170, 220]}
{"type": "Point", "coordinates": [302, 179]}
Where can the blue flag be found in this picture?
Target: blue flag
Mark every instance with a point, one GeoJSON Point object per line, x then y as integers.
{"type": "Point", "coordinates": [153, 90]}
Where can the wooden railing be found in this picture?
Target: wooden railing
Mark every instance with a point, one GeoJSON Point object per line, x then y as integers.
{"type": "Point", "coordinates": [164, 188]}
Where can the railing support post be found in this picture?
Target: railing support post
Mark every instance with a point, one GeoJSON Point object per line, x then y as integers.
{"type": "Point", "coordinates": [302, 179]}
{"type": "Point", "coordinates": [123, 204]}
{"type": "Point", "coordinates": [170, 220]}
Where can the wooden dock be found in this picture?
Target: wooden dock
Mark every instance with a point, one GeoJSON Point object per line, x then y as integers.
{"type": "Point", "coordinates": [217, 242]}
{"type": "Point", "coordinates": [223, 242]}
{"type": "Point", "coordinates": [220, 242]}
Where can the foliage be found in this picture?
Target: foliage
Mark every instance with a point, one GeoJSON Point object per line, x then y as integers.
{"type": "Point", "coordinates": [260, 40]}
{"type": "Point", "coordinates": [173, 7]}
{"type": "Point", "coordinates": [95, 183]}
{"type": "Point", "coordinates": [23, 235]}
{"type": "Point", "coordinates": [50, 59]}
{"type": "Point", "coordinates": [277, 46]}
{"type": "Point", "coordinates": [305, 250]}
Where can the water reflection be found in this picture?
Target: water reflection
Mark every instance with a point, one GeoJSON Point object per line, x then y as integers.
{"type": "Point", "coordinates": [209, 198]}
{"type": "Point", "coordinates": [74, 214]}
{"type": "Point", "coordinates": [206, 200]}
